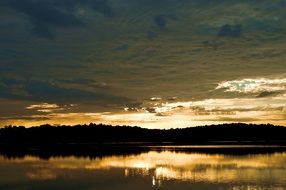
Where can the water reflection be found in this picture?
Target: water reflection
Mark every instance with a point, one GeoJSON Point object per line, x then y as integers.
{"type": "Point", "coordinates": [164, 170]}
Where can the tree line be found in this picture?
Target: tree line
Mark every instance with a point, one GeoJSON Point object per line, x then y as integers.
{"type": "Point", "coordinates": [100, 134]}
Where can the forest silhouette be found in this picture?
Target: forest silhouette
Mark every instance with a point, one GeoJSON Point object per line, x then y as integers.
{"type": "Point", "coordinates": [99, 133]}
{"type": "Point", "coordinates": [98, 140]}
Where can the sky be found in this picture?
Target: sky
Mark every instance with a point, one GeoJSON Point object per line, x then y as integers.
{"type": "Point", "coordinates": [155, 64]}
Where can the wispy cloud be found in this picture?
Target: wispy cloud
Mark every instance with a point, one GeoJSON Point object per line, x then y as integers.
{"type": "Point", "coordinates": [45, 107]}
{"type": "Point", "coordinates": [253, 85]}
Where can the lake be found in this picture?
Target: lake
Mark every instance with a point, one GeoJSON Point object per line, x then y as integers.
{"type": "Point", "coordinates": [153, 169]}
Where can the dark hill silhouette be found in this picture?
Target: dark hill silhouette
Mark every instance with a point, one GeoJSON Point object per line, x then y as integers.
{"type": "Point", "coordinates": [236, 133]}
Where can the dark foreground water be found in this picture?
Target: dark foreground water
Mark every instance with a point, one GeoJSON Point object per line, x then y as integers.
{"type": "Point", "coordinates": [153, 169]}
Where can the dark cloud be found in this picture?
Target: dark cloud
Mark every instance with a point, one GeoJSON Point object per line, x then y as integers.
{"type": "Point", "coordinates": [28, 118]}
{"type": "Point", "coordinates": [162, 114]}
{"type": "Point", "coordinates": [151, 3]}
{"type": "Point", "coordinates": [151, 35]}
{"type": "Point", "coordinates": [8, 87]}
{"type": "Point", "coordinates": [262, 25]}
{"type": "Point", "coordinates": [78, 81]}
{"type": "Point", "coordinates": [161, 21]}
{"type": "Point", "coordinates": [282, 3]}
{"type": "Point", "coordinates": [45, 14]}
{"type": "Point", "coordinates": [3, 87]}
{"type": "Point", "coordinates": [103, 7]}
{"type": "Point", "coordinates": [85, 82]}
{"type": "Point", "coordinates": [151, 110]}
{"type": "Point", "coordinates": [229, 30]}
{"type": "Point", "coordinates": [10, 81]}
{"type": "Point", "coordinates": [43, 31]}
{"type": "Point", "coordinates": [51, 92]}
{"type": "Point", "coordinates": [267, 94]}
{"type": "Point", "coordinates": [122, 47]}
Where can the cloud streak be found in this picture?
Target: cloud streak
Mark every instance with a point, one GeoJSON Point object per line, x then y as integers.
{"type": "Point", "coordinates": [253, 85]}
{"type": "Point", "coordinates": [45, 107]}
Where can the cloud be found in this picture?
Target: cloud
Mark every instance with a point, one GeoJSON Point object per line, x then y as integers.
{"type": "Point", "coordinates": [85, 82]}
{"type": "Point", "coordinates": [44, 15]}
{"type": "Point", "coordinates": [161, 21]}
{"type": "Point", "coordinates": [49, 91]}
{"type": "Point", "coordinates": [165, 114]}
{"type": "Point", "coordinates": [222, 106]}
{"type": "Point", "coordinates": [24, 119]}
{"type": "Point", "coordinates": [155, 98]}
{"type": "Point", "coordinates": [103, 7]}
{"type": "Point", "coordinates": [266, 94]}
{"type": "Point", "coordinates": [3, 87]}
{"type": "Point", "coordinates": [45, 107]}
{"type": "Point", "coordinates": [228, 30]}
{"type": "Point", "coordinates": [43, 31]}
{"type": "Point", "coordinates": [263, 86]}
{"type": "Point", "coordinates": [264, 109]}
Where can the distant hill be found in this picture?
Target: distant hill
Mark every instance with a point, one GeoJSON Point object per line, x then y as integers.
{"type": "Point", "coordinates": [236, 133]}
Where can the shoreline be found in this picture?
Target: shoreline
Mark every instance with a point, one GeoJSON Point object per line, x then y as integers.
{"type": "Point", "coordinates": [93, 151]}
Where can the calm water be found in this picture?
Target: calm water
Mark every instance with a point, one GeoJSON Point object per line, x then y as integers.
{"type": "Point", "coordinates": [149, 170]}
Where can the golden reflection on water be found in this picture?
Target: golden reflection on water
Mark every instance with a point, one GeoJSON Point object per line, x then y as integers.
{"type": "Point", "coordinates": [170, 166]}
